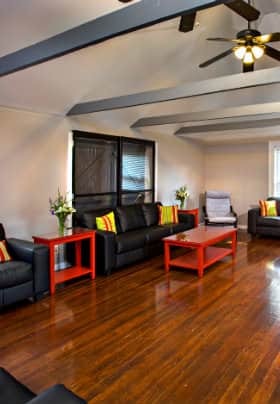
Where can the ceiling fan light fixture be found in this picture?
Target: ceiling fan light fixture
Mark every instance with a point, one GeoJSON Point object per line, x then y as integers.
{"type": "Point", "coordinates": [248, 57]}
{"type": "Point", "coordinates": [240, 51]}
{"type": "Point", "coordinates": [258, 51]}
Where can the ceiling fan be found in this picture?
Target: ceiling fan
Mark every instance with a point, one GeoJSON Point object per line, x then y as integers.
{"type": "Point", "coordinates": [250, 45]}
{"type": "Point", "coordinates": [245, 10]}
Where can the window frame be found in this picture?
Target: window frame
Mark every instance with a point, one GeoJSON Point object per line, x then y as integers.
{"type": "Point", "coordinates": [273, 145]}
{"type": "Point", "coordinates": [120, 140]}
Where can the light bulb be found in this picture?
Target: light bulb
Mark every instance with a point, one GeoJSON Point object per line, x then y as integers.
{"type": "Point", "coordinates": [240, 52]}
{"type": "Point", "coordinates": [248, 57]}
{"type": "Point", "coordinates": [257, 51]}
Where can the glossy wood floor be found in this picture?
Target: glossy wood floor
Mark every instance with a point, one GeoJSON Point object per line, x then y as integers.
{"type": "Point", "coordinates": [140, 336]}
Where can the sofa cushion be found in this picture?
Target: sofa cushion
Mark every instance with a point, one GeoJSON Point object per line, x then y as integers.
{"type": "Point", "coordinates": [131, 240]}
{"type": "Point", "coordinates": [151, 214]}
{"type": "Point", "coordinates": [268, 208]}
{"type": "Point", "coordinates": [178, 228]}
{"type": "Point", "coordinates": [277, 199]}
{"type": "Point", "coordinates": [130, 217]}
{"type": "Point", "coordinates": [168, 214]}
{"type": "Point", "coordinates": [271, 221]}
{"type": "Point", "coordinates": [106, 222]}
{"type": "Point", "coordinates": [156, 233]}
{"type": "Point", "coordinates": [88, 219]}
{"type": "Point", "coordinates": [15, 273]}
{"type": "Point", "coordinates": [12, 391]}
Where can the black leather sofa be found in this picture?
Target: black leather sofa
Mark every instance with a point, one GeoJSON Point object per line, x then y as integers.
{"type": "Point", "coordinates": [14, 392]}
{"type": "Point", "coordinates": [138, 234]}
{"type": "Point", "coordinates": [27, 275]}
{"type": "Point", "coordinates": [264, 225]}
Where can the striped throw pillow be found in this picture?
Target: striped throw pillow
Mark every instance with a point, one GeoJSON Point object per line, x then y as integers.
{"type": "Point", "coordinates": [106, 223]}
{"type": "Point", "coordinates": [4, 255]}
{"type": "Point", "coordinates": [168, 214]}
{"type": "Point", "coordinates": [268, 208]}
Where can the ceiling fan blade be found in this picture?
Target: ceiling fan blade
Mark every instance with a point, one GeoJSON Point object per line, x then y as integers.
{"type": "Point", "coordinates": [248, 67]}
{"type": "Point", "coordinates": [244, 9]}
{"type": "Point", "coordinates": [226, 40]}
{"type": "Point", "coordinates": [275, 37]}
{"type": "Point", "coordinates": [187, 22]}
{"type": "Point", "coordinates": [273, 53]}
{"type": "Point", "coordinates": [216, 58]}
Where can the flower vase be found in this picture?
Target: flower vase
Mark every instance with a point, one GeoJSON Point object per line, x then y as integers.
{"type": "Point", "coordinates": [61, 225]}
{"type": "Point", "coordinates": [182, 204]}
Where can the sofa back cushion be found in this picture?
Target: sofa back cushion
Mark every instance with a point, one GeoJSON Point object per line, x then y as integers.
{"type": "Point", "coordinates": [2, 232]}
{"type": "Point", "coordinates": [130, 217]}
{"type": "Point", "coordinates": [151, 213]}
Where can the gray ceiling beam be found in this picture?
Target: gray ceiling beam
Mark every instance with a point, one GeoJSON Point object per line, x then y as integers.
{"type": "Point", "coordinates": [245, 110]}
{"type": "Point", "coordinates": [139, 15]}
{"type": "Point", "coordinates": [192, 89]}
{"type": "Point", "coordinates": [190, 130]}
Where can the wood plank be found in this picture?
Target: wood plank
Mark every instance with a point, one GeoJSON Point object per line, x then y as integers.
{"type": "Point", "coordinates": [139, 15]}
{"type": "Point", "coordinates": [193, 89]}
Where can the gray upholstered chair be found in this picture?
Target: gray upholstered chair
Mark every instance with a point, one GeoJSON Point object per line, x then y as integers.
{"type": "Point", "coordinates": [218, 210]}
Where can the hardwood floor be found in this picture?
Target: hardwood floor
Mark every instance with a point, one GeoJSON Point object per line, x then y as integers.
{"type": "Point", "coordinates": [141, 336]}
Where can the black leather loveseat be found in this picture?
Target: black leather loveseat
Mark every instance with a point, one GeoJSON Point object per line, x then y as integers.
{"type": "Point", "coordinates": [27, 275]}
{"type": "Point", "coordinates": [14, 392]}
{"type": "Point", "coordinates": [138, 234]}
{"type": "Point", "coordinates": [264, 225]}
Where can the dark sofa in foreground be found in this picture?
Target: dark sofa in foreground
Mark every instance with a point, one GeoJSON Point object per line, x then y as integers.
{"type": "Point", "coordinates": [14, 392]}
{"type": "Point", "coordinates": [265, 226]}
{"type": "Point", "coordinates": [138, 234]}
{"type": "Point", "coordinates": [27, 275]}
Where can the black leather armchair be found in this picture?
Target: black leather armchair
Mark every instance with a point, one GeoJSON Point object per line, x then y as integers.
{"type": "Point", "coordinates": [14, 392]}
{"type": "Point", "coordinates": [27, 275]}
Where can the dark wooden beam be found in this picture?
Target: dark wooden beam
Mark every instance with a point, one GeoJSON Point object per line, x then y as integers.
{"type": "Point", "coordinates": [222, 113]}
{"type": "Point", "coordinates": [139, 15]}
{"type": "Point", "coordinates": [192, 89]}
{"type": "Point", "coordinates": [220, 127]}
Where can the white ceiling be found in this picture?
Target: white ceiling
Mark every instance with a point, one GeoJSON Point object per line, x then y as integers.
{"type": "Point", "coordinates": [156, 57]}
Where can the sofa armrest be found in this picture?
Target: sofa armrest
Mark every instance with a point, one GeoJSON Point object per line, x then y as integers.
{"type": "Point", "coordinates": [105, 251]}
{"type": "Point", "coordinates": [35, 254]}
{"type": "Point", "coordinates": [253, 214]}
{"type": "Point", "coordinates": [57, 394]}
{"type": "Point", "coordinates": [187, 218]}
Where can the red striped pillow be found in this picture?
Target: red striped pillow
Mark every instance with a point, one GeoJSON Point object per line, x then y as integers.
{"type": "Point", "coordinates": [106, 223]}
{"type": "Point", "coordinates": [168, 214]}
{"type": "Point", "coordinates": [4, 255]}
{"type": "Point", "coordinates": [268, 208]}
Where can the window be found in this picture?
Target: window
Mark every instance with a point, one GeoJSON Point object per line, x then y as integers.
{"type": "Point", "coordinates": [110, 171]}
{"type": "Point", "coordinates": [274, 169]}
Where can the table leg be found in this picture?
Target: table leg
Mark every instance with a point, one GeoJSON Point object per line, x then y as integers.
{"type": "Point", "coordinates": [234, 243]}
{"type": "Point", "coordinates": [200, 257]}
{"type": "Point", "coordinates": [92, 256]}
{"type": "Point", "coordinates": [52, 269]}
{"type": "Point", "coordinates": [166, 256]}
{"type": "Point", "coordinates": [78, 253]}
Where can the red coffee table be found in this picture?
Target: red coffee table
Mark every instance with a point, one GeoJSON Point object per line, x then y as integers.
{"type": "Point", "coordinates": [76, 235]}
{"type": "Point", "coordinates": [201, 240]}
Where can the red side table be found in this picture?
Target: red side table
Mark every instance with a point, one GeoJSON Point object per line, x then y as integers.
{"type": "Point", "coordinates": [75, 235]}
{"type": "Point", "coordinates": [194, 212]}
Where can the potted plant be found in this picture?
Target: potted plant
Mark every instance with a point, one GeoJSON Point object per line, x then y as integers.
{"type": "Point", "coordinates": [61, 208]}
{"type": "Point", "coordinates": [182, 195]}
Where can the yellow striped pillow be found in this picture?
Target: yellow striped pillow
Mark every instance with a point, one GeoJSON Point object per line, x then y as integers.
{"type": "Point", "coordinates": [268, 208]}
{"type": "Point", "coordinates": [106, 223]}
{"type": "Point", "coordinates": [4, 255]}
{"type": "Point", "coordinates": [168, 215]}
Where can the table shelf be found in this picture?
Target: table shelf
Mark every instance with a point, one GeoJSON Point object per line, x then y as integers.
{"type": "Point", "coordinates": [71, 273]}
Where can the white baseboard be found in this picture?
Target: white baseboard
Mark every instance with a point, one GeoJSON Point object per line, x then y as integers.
{"type": "Point", "coordinates": [242, 227]}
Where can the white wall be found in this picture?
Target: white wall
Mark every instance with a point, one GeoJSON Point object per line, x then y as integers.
{"type": "Point", "coordinates": [33, 158]}
{"type": "Point", "coordinates": [241, 170]}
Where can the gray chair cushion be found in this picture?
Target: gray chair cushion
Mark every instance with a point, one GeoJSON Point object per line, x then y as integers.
{"type": "Point", "coordinates": [14, 273]}
{"type": "Point", "coordinates": [217, 204]}
{"type": "Point", "coordinates": [226, 219]}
